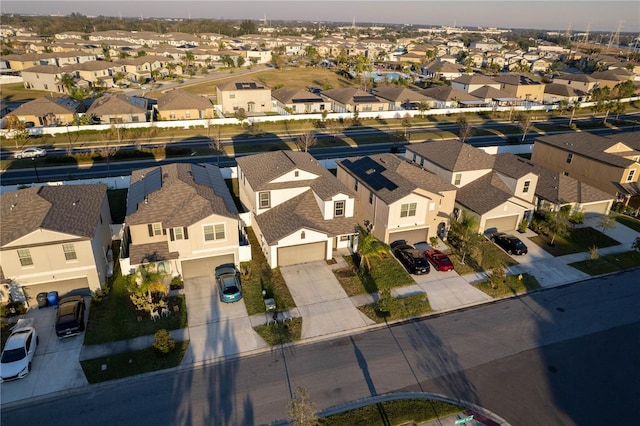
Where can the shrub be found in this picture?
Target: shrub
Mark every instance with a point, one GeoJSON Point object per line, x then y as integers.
{"type": "Point", "coordinates": [163, 343]}
{"type": "Point", "coordinates": [576, 217]}
{"type": "Point", "coordinates": [176, 283]}
{"type": "Point", "coordinates": [12, 308]}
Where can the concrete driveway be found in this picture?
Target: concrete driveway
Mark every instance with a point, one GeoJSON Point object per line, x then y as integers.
{"type": "Point", "coordinates": [321, 301]}
{"type": "Point", "coordinates": [56, 364]}
{"type": "Point", "coordinates": [216, 329]}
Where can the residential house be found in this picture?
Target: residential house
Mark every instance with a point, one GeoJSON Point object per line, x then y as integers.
{"type": "Point", "coordinates": [469, 82]}
{"type": "Point", "coordinates": [55, 238]}
{"type": "Point", "coordinates": [555, 92]}
{"type": "Point", "coordinates": [182, 220]}
{"type": "Point", "coordinates": [291, 100]}
{"type": "Point", "coordinates": [141, 69]}
{"type": "Point", "coordinates": [351, 99]}
{"type": "Point", "coordinates": [300, 211]}
{"type": "Point", "coordinates": [182, 105]}
{"type": "Point", "coordinates": [396, 199]}
{"type": "Point", "coordinates": [400, 98]}
{"type": "Point", "coordinates": [443, 69]}
{"type": "Point", "coordinates": [94, 73]}
{"type": "Point", "coordinates": [49, 111]}
{"type": "Point", "coordinates": [582, 82]}
{"type": "Point", "coordinates": [609, 163]}
{"type": "Point", "coordinates": [21, 62]}
{"type": "Point", "coordinates": [448, 97]}
{"type": "Point", "coordinates": [612, 78]}
{"type": "Point", "coordinates": [521, 87]}
{"type": "Point", "coordinates": [253, 97]}
{"type": "Point", "coordinates": [43, 77]}
{"type": "Point", "coordinates": [119, 108]}
{"type": "Point", "coordinates": [555, 190]}
{"type": "Point", "coordinates": [498, 200]}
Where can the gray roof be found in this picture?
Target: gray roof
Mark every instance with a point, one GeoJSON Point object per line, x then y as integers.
{"type": "Point", "coordinates": [593, 146]}
{"type": "Point", "coordinates": [474, 79]}
{"type": "Point", "coordinates": [301, 212]}
{"type": "Point", "coordinates": [400, 94]}
{"type": "Point", "coordinates": [118, 104]}
{"type": "Point", "coordinates": [484, 194]}
{"type": "Point", "coordinates": [47, 104]}
{"type": "Point", "coordinates": [151, 252]}
{"type": "Point", "coordinates": [488, 92]}
{"type": "Point", "coordinates": [261, 169]}
{"type": "Point", "coordinates": [453, 155]}
{"type": "Point", "coordinates": [291, 95]}
{"type": "Point", "coordinates": [392, 177]}
{"type": "Point", "coordinates": [69, 209]}
{"type": "Point", "coordinates": [180, 99]}
{"type": "Point", "coordinates": [563, 90]}
{"type": "Point", "coordinates": [515, 80]}
{"type": "Point", "coordinates": [178, 195]}
{"type": "Point", "coordinates": [448, 93]}
{"type": "Point", "coordinates": [350, 95]}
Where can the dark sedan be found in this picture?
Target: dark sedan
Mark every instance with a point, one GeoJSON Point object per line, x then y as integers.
{"type": "Point", "coordinates": [70, 316]}
{"type": "Point", "coordinates": [411, 258]}
{"type": "Point", "coordinates": [509, 243]}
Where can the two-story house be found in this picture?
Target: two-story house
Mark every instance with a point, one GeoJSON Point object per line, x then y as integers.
{"type": "Point", "coordinates": [246, 94]}
{"type": "Point", "coordinates": [397, 199]}
{"type": "Point", "coordinates": [182, 105]}
{"type": "Point", "coordinates": [55, 238]}
{"type": "Point", "coordinates": [300, 211]}
{"type": "Point", "coordinates": [521, 87]}
{"type": "Point", "coordinates": [609, 163]}
{"type": "Point", "coordinates": [500, 201]}
{"type": "Point", "coordinates": [182, 219]}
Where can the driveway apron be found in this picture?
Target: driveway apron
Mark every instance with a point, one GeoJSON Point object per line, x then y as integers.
{"type": "Point", "coordinates": [322, 302]}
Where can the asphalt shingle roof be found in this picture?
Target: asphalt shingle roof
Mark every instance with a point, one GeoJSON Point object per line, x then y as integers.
{"type": "Point", "coordinates": [179, 99]}
{"type": "Point", "coordinates": [118, 104]}
{"type": "Point", "coordinates": [484, 194]}
{"type": "Point", "coordinates": [68, 209]}
{"type": "Point", "coordinates": [453, 155]}
{"type": "Point", "coordinates": [289, 95]}
{"type": "Point", "coordinates": [46, 104]}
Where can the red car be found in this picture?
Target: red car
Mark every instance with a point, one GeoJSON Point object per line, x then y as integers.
{"type": "Point", "coordinates": [439, 260]}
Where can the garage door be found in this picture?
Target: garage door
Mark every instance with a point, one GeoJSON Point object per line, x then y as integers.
{"type": "Point", "coordinates": [501, 224]}
{"type": "Point", "coordinates": [413, 236]}
{"type": "Point", "coordinates": [302, 253]}
{"type": "Point", "coordinates": [595, 209]}
{"type": "Point", "coordinates": [204, 266]}
{"type": "Point", "coordinates": [64, 288]}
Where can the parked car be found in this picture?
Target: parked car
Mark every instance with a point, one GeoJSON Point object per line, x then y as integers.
{"type": "Point", "coordinates": [70, 316]}
{"type": "Point", "coordinates": [439, 260]}
{"type": "Point", "coordinates": [509, 243]}
{"type": "Point", "coordinates": [31, 153]}
{"type": "Point", "coordinates": [228, 280]}
{"type": "Point", "coordinates": [15, 361]}
{"type": "Point", "coordinates": [410, 257]}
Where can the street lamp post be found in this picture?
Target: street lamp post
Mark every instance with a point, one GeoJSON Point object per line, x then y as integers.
{"type": "Point", "coordinates": [33, 161]}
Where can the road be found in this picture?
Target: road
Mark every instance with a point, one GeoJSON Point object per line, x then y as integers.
{"type": "Point", "coordinates": [563, 356]}
{"type": "Point", "coordinates": [124, 168]}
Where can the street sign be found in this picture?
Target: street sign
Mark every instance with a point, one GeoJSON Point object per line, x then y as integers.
{"type": "Point", "coordinates": [463, 421]}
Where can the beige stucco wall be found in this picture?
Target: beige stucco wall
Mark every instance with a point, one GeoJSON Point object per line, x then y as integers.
{"type": "Point", "coordinates": [231, 100]}
{"type": "Point", "coordinates": [186, 114]}
{"type": "Point", "coordinates": [41, 81]}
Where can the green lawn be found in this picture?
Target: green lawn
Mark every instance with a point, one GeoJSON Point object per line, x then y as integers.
{"type": "Point", "coordinates": [348, 278]}
{"type": "Point", "coordinates": [512, 285]}
{"type": "Point", "coordinates": [281, 333]}
{"type": "Point", "coordinates": [629, 222]}
{"type": "Point", "coordinates": [399, 412]}
{"type": "Point", "coordinates": [609, 263]}
{"type": "Point", "coordinates": [401, 308]}
{"type": "Point", "coordinates": [579, 240]}
{"type": "Point", "coordinates": [131, 363]}
{"type": "Point", "coordinates": [385, 273]}
{"type": "Point", "coordinates": [483, 256]}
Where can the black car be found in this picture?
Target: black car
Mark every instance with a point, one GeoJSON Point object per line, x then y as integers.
{"type": "Point", "coordinates": [70, 316]}
{"type": "Point", "coordinates": [410, 257]}
{"type": "Point", "coordinates": [509, 243]}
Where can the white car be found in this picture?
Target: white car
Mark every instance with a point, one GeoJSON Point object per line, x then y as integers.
{"type": "Point", "coordinates": [15, 362]}
{"type": "Point", "coordinates": [31, 153]}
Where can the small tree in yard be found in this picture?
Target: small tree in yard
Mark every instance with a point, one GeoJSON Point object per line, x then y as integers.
{"type": "Point", "coordinates": [301, 410]}
{"type": "Point", "coordinates": [463, 231]}
{"type": "Point", "coordinates": [306, 140]}
{"type": "Point", "coordinates": [524, 122]}
{"type": "Point", "coordinates": [368, 246]}
{"type": "Point", "coordinates": [556, 225]}
{"type": "Point", "coordinates": [163, 342]}
{"type": "Point", "coordinates": [466, 129]}
{"type": "Point", "coordinates": [496, 276]}
{"type": "Point", "coordinates": [607, 221]}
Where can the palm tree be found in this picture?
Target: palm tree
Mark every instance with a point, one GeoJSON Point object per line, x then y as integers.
{"type": "Point", "coordinates": [368, 247]}
{"type": "Point", "coordinates": [67, 81]}
{"type": "Point", "coordinates": [463, 231]}
{"type": "Point", "coordinates": [573, 107]}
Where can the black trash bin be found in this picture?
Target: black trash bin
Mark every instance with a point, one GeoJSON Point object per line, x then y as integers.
{"type": "Point", "coordinates": [42, 300]}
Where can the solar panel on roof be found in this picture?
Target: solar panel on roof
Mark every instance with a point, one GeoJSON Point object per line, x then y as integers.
{"type": "Point", "coordinates": [221, 189]}
{"type": "Point", "coordinates": [370, 171]}
{"type": "Point", "coordinates": [360, 99]}
{"type": "Point", "coordinates": [151, 182]}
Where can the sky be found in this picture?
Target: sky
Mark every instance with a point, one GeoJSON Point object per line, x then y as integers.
{"type": "Point", "coordinates": [595, 15]}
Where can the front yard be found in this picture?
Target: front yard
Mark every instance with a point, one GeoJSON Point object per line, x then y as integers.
{"type": "Point", "coordinates": [483, 256]}
{"type": "Point", "coordinates": [577, 241]}
{"type": "Point", "coordinates": [609, 263]}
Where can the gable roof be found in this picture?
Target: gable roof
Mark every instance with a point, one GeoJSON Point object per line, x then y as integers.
{"type": "Point", "coordinates": [48, 104]}
{"type": "Point", "coordinates": [453, 155]}
{"type": "Point", "coordinates": [69, 209]}
{"type": "Point", "coordinates": [447, 93]}
{"type": "Point", "coordinates": [515, 80]}
{"type": "Point", "coordinates": [391, 177]}
{"type": "Point", "coordinates": [178, 194]}
{"type": "Point", "coordinates": [261, 169]}
{"type": "Point", "coordinates": [484, 194]}
{"type": "Point", "coordinates": [118, 104]}
{"type": "Point", "coordinates": [292, 95]}
{"type": "Point", "coordinates": [399, 94]}
{"type": "Point", "coordinates": [180, 99]}
{"type": "Point", "coordinates": [350, 95]}
{"type": "Point", "coordinates": [563, 90]}
{"type": "Point", "coordinates": [474, 79]}
{"type": "Point", "coordinates": [300, 212]}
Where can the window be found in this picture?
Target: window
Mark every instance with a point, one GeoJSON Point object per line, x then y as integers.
{"type": "Point", "coordinates": [265, 200]}
{"type": "Point", "coordinates": [344, 238]}
{"type": "Point", "coordinates": [569, 158]}
{"type": "Point", "coordinates": [414, 157]}
{"type": "Point", "coordinates": [296, 173]}
{"type": "Point", "coordinates": [69, 252]}
{"type": "Point", "coordinates": [525, 188]}
{"type": "Point", "coordinates": [232, 95]}
{"type": "Point", "coordinates": [355, 186]}
{"type": "Point", "coordinates": [187, 114]}
{"type": "Point", "coordinates": [631, 174]}
{"type": "Point", "coordinates": [25, 257]}
{"type": "Point", "coordinates": [338, 209]}
{"type": "Point", "coordinates": [408, 209]}
{"type": "Point", "coordinates": [155, 229]}
{"type": "Point", "coordinates": [214, 232]}
{"type": "Point", "coordinates": [457, 179]}
{"type": "Point", "coordinates": [178, 233]}
{"type": "Point", "coordinates": [370, 197]}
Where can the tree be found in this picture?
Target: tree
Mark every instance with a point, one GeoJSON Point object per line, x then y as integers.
{"type": "Point", "coordinates": [67, 81]}
{"type": "Point", "coordinates": [247, 27]}
{"type": "Point", "coordinates": [625, 89]}
{"type": "Point", "coordinates": [306, 140]}
{"type": "Point", "coordinates": [240, 115]}
{"type": "Point", "coordinates": [557, 225]}
{"type": "Point", "coordinates": [607, 221]}
{"type": "Point", "coordinates": [573, 107]}
{"type": "Point", "coordinates": [423, 107]}
{"type": "Point", "coordinates": [406, 124]}
{"type": "Point", "coordinates": [301, 411]}
{"type": "Point", "coordinates": [466, 129]}
{"type": "Point", "coordinates": [524, 122]}
{"type": "Point", "coordinates": [463, 231]}
{"type": "Point", "coordinates": [602, 97]}
{"type": "Point", "coordinates": [368, 247]}
{"type": "Point", "coordinates": [20, 131]}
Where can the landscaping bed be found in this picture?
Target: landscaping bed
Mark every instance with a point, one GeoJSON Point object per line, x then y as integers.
{"type": "Point", "coordinates": [281, 332]}
{"type": "Point", "coordinates": [609, 263]}
{"type": "Point", "coordinates": [396, 309]}
{"type": "Point", "coordinates": [579, 240]}
{"type": "Point", "coordinates": [483, 256]}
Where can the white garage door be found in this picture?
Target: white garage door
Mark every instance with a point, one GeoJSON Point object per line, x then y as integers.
{"type": "Point", "coordinates": [413, 236]}
{"type": "Point", "coordinates": [205, 266]}
{"type": "Point", "coordinates": [501, 224]}
{"type": "Point", "coordinates": [64, 288]}
{"type": "Point", "coordinates": [595, 209]}
{"type": "Point", "coordinates": [302, 253]}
